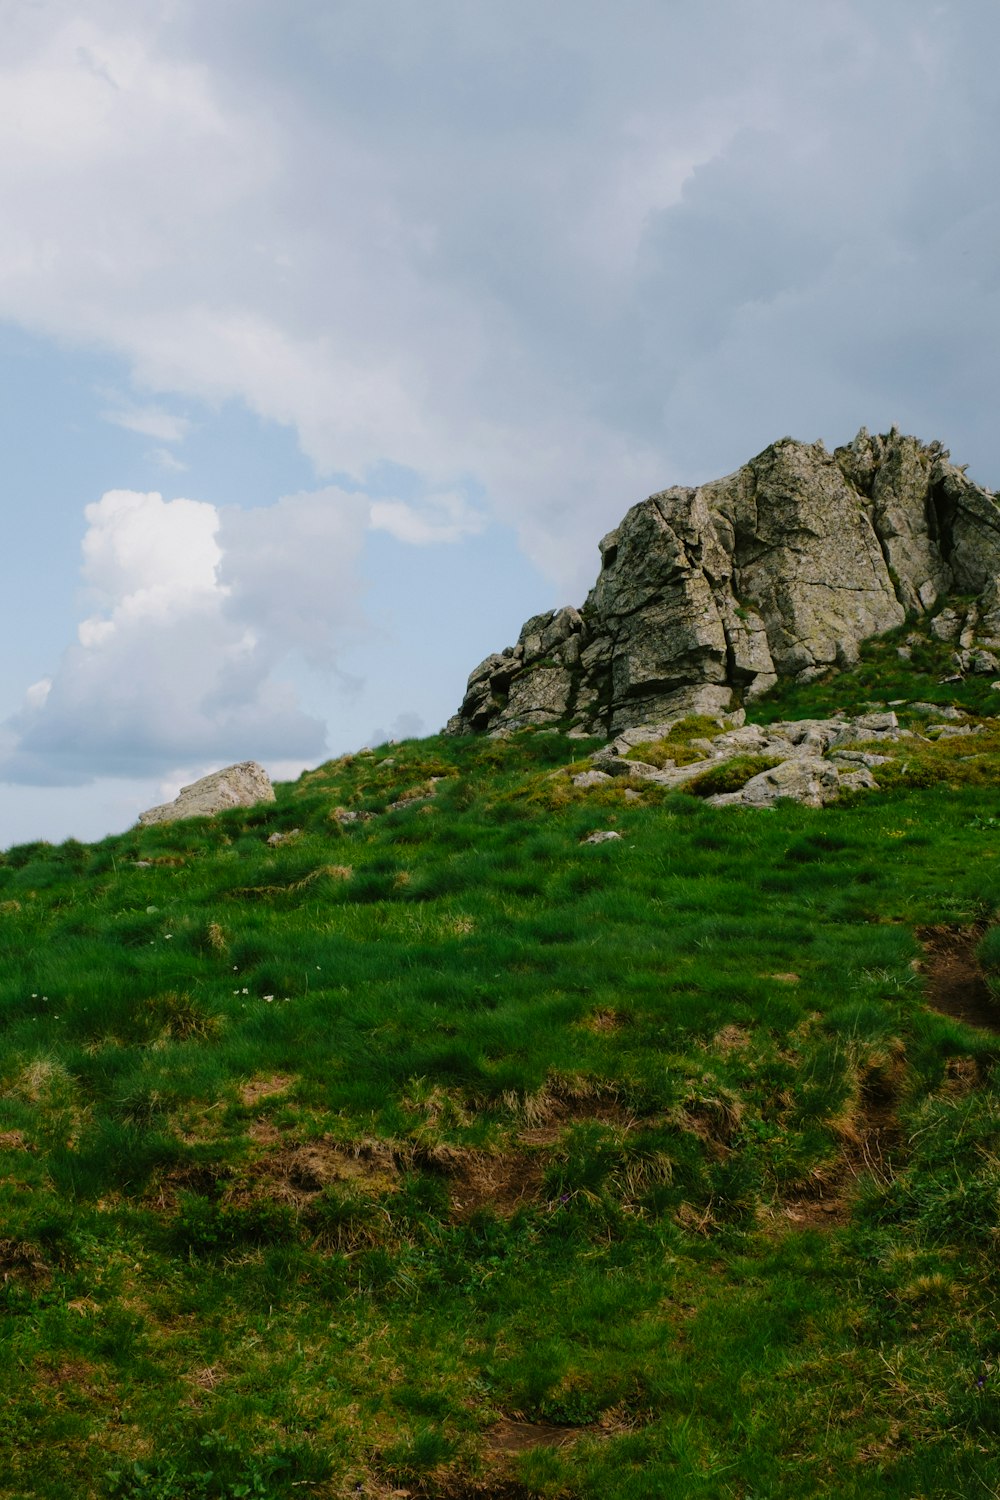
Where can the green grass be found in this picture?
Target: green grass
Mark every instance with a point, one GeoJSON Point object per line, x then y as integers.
{"type": "Point", "coordinates": [322, 1159]}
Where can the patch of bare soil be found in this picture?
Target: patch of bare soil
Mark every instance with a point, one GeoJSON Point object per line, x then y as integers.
{"type": "Point", "coordinates": [265, 1088]}
{"type": "Point", "coordinates": [477, 1180]}
{"type": "Point", "coordinates": [869, 1149]}
{"type": "Point", "coordinates": [955, 983]}
{"type": "Point", "coordinates": [509, 1436]}
{"type": "Point", "coordinates": [75, 1373]}
{"type": "Point", "coordinates": [21, 1261]}
{"type": "Point", "coordinates": [296, 1173]}
{"type": "Point", "coordinates": [562, 1113]}
{"type": "Point", "coordinates": [449, 1487]}
{"type": "Point", "coordinates": [199, 1178]}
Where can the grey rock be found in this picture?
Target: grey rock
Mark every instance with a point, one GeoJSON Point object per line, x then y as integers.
{"type": "Point", "coordinates": [936, 710]}
{"type": "Point", "coordinates": [707, 596]}
{"type": "Point", "coordinates": [591, 778]}
{"type": "Point", "coordinates": [812, 767]}
{"type": "Point", "coordinates": [967, 634]}
{"type": "Point", "coordinates": [601, 836]}
{"type": "Point", "coordinates": [620, 765]}
{"type": "Point", "coordinates": [947, 626]}
{"type": "Point", "coordinates": [979, 662]}
{"type": "Point", "coordinates": [806, 779]}
{"type": "Point", "coordinates": [241, 785]}
{"type": "Point", "coordinates": [345, 816]}
{"type": "Point", "coordinates": [952, 731]}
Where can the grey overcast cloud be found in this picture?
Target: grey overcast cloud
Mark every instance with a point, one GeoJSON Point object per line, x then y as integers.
{"type": "Point", "coordinates": [335, 334]}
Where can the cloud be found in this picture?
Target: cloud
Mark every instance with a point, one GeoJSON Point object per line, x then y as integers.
{"type": "Point", "coordinates": [569, 254]}
{"type": "Point", "coordinates": [405, 726]}
{"type": "Point", "coordinates": [151, 421]}
{"type": "Point", "coordinates": [164, 459]}
{"type": "Point", "coordinates": [441, 518]}
{"type": "Point", "coordinates": [290, 572]}
{"type": "Point", "coordinates": [193, 612]}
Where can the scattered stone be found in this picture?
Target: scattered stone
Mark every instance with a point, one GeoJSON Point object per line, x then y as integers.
{"type": "Point", "coordinates": [591, 778]}
{"type": "Point", "coordinates": [979, 663]}
{"type": "Point", "coordinates": [348, 815]}
{"type": "Point", "coordinates": [952, 731]}
{"type": "Point", "coordinates": [813, 766]}
{"type": "Point", "coordinates": [947, 626]}
{"type": "Point", "coordinates": [274, 839]}
{"type": "Point", "coordinates": [932, 710]}
{"type": "Point", "coordinates": [859, 758]}
{"type": "Point", "coordinates": [242, 785]}
{"type": "Point", "coordinates": [601, 836]}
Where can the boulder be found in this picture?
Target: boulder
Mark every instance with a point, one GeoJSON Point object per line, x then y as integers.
{"type": "Point", "coordinates": [706, 596]}
{"type": "Point", "coordinates": [242, 785]}
{"type": "Point", "coordinates": [805, 779]}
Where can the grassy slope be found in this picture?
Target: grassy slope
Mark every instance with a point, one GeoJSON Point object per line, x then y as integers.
{"type": "Point", "coordinates": [320, 1159]}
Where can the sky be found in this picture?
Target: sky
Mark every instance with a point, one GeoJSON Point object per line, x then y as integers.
{"type": "Point", "coordinates": [334, 334]}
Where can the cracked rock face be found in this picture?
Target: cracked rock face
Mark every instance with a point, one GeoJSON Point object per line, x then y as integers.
{"type": "Point", "coordinates": [707, 596]}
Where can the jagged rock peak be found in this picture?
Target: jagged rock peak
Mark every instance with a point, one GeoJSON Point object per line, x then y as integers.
{"type": "Point", "coordinates": [707, 595]}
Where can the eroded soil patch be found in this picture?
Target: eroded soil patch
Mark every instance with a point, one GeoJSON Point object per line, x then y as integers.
{"type": "Point", "coordinates": [476, 1180]}
{"type": "Point", "coordinates": [296, 1173]}
{"type": "Point", "coordinates": [20, 1261]}
{"type": "Point", "coordinates": [955, 983]}
{"type": "Point", "coordinates": [265, 1088]}
{"type": "Point", "coordinates": [869, 1149]}
{"type": "Point", "coordinates": [509, 1436]}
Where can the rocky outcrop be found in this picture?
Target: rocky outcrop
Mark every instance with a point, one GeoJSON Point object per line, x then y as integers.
{"type": "Point", "coordinates": [708, 595]}
{"type": "Point", "coordinates": [812, 761]}
{"type": "Point", "coordinates": [243, 785]}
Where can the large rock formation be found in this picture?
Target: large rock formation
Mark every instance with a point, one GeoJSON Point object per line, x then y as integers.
{"type": "Point", "coordinates": [242, 785]}
{"type": "Point", "coordinates": [707, 596]}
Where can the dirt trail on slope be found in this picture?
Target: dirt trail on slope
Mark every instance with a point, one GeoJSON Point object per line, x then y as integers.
{"type": "Point", "coordinates": [954, 985]}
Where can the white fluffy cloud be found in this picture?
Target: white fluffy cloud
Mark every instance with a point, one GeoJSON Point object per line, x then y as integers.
{"type": "Point", "coordinates": [192, 613]}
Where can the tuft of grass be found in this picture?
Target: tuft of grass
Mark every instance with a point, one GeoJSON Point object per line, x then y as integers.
{"type": "Point", "coordinates": [732, 776]}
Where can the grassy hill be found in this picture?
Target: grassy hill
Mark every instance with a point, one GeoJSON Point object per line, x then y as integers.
{"type": "Point", "coordinates": [393, 1140]}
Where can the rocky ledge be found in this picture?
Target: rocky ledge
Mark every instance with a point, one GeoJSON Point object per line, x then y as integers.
{"type": "Point", "coordinates": [708, 595]}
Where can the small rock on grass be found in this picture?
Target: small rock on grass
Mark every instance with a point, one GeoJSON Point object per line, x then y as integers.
{"type": "Point", "coordinates": [601, 836]}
